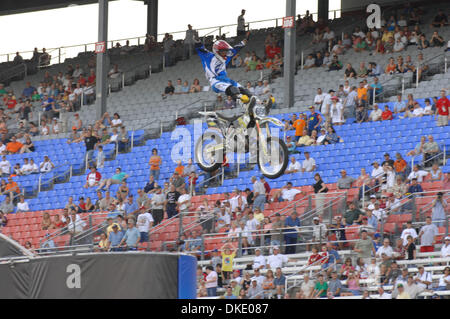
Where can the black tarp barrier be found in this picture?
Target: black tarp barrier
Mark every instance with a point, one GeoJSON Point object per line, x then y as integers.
{"type": "Point", "coordinates": [95, 275]}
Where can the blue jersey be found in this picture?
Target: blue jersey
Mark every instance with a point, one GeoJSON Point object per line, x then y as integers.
{"type": "Point", "coordinates": [216, 70]}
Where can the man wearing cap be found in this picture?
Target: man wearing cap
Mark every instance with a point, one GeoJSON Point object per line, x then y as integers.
{"type": "Point", "coordinates": [414, 187]}
{"type": "Point", "coordinates": [378, 212]}
{"type": "Point", "coordinates": [319, 231]}
{"type": "Point", "coordinates": [314, 120]}
{"type": "Point", "coordinates": [259, 262]}
{"type": "Point", "coordinates": [339, 230]}
{"type": "Point", "coordinates": [345, 182]}
{"type": "Point", "coordinates": [364, 246]}
{"type": "Point", "coordinates": [93, 178]}
{"type": "Point", "coordinates": [255, 291]}
{"type": "Point", "coordinates": [367, 227]}
{"type": "Point", "coordinates": [276, 260]}
{"type": "Point", "coordinates": [115, 237]}
{"type": "Point", "coordinates": [445, 250]}
{"type": "Point", "coordinates": [376, 113]}
{"type": "Point", "coordinates": [353, 215]}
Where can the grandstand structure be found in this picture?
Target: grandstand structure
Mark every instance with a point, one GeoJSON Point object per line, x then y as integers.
{"type": "Point", "coordinates": [151, 122]}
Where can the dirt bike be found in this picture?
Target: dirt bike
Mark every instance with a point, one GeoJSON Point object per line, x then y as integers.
{"type": "Point", "coordinates": [242, 134]}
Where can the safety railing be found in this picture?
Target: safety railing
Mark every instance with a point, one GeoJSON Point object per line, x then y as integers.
{"type": "Point", "coordinates": [305, 269]}
{"type": "Point", "coordinates": [411, 205]}
{"type": "Point", "coordinates": [73, 50]}
{"type": "Point", "coordinates": [75, 230]}
{"type": "Point", "coordinates": [440, 155]}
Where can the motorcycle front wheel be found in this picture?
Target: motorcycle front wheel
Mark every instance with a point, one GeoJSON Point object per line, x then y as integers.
{"type": "Point", "coordinates": [274, 161]}
{"type": "Point", "coordinates": [207, 158]}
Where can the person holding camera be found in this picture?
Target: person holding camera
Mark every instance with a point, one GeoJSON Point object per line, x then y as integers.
{"type": "Point", "coordinates": [438, 214]}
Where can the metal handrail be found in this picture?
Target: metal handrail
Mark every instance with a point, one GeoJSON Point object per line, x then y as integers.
{"type": "Point", "coordinates": [65, 230]}
{"type": "Point", "coordinates": [138, 38]}
{"type": "Point", "coordinates": [286, 289]}
{"type": "Point", "coordinates": [442, 152]}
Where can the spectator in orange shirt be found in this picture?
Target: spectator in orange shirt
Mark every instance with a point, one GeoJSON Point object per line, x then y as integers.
{"type": "Point", "coordinates": [299, 126]}
{"type": "Point", "coordinates": [387, 114]}
{"type": "Point", "coordinates": [155, 163]}
{"type": "Point", "coordinates": [11, 188]}
{"type": "Point", "coordinates": [13, 146]}
{"type": "Point", "coordinates": [400, 166]}
{"type": "Point", "coordinates": [362, 93]}
{"type": "Point", "coordinates": [180, 168]}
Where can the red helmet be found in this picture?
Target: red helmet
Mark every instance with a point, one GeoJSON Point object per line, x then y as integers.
{"type": "Point", "coordinates": [221, 46]}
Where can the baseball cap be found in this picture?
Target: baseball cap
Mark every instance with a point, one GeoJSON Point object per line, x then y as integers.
{"type": "Point", "coordinates": [370, 207]}
{"type": "Point", "coordinates": [311, 106]}
{"type": "Point", "coordinates": [316, 218]}
{"type": "Point", "coordinates": [373, 196]}
{"type": "Point", "coordinates": [277, 214]}
{"type": "Point", "coordinates": [377, 235]}
{"type": "Point", "coordinates": [257, 249]}
{"type": "Point", "coordinates": [386, 154]}
{"type": "Point", "coordinates": [375, 162]}
{"type": "Point", "coordinates": [276, 247]}
{"type": "Point", "coordinates": [447, 238]}
{"type": "Point", "coordinates": [74, 128]}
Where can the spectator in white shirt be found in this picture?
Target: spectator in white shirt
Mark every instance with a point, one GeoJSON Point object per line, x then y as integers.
{"type": "Point", "coordinates": [22, 205]}
{"type": "Point", "coordinates": [5, 166]}
{"type": "Point", "coordinates": [115, 72]}
{"type": "Point", "coordinates": [418, 174]}
{"type": "Point", "coordinates": [293, 167]}
{"type": "Point", "coordinates": [26, 168]}
{"type": "Point", "coordinates": [398, 46]}
{"type": "Point", "coordinates": [309, 62]}
{"type": "Point", "coordinates": [408, 231]}
{"type": "Point", "coordinates": [77, 72]}
{"type": "Point", "coordinates": [386, 249]}
{"type": "Point", "coordinates": [211, 281]}
{"type": "Point", "coordinates": [276, 260]}
{"type": "Point", "coordinates": [375, 115]}
{"type": "Point", "coordinates": [309, 164]}
{"type": "Point", "coordinates": [224, 219]}
{"type": "Point", "coordinates": [286, 193]}
{"type": "Point", "coordinates": [46, 165]}
{"type": "Point", "coordinates": [423, 278]}
{"type": "Point", "coordinates": [427, 236]}
{"type": "Point", "coordinates": [259, 89]}
{"type": "Point", "coordinates": [318, 99]}
{"type": "Point", "coordinates": [259, 262]}
{"type": "Point", "coordinates": [445, 250]}
{"type": "Point", "coordinates": [377, 171]}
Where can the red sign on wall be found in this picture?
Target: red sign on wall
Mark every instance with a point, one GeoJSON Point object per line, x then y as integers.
{"type": "Point", "coordinates": [100, 47]}
{"type": "Point", "coordinates": [288, 22]}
